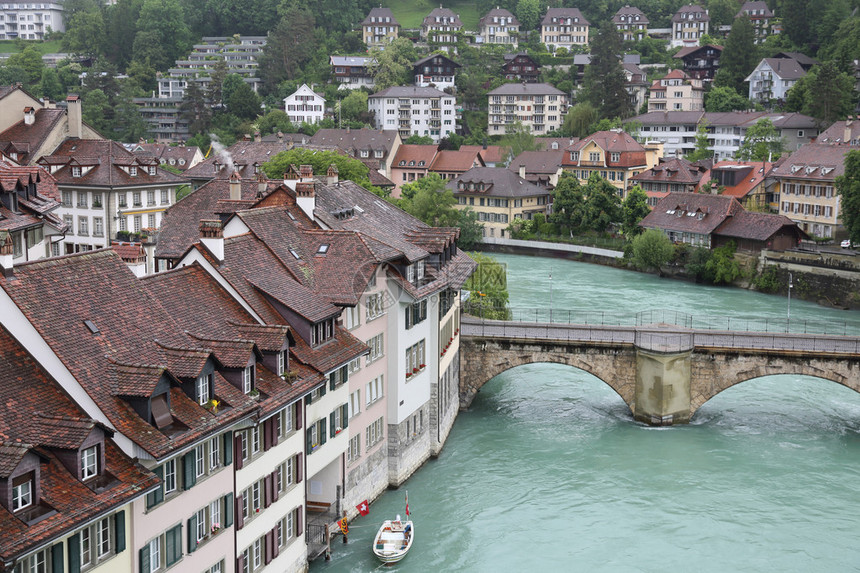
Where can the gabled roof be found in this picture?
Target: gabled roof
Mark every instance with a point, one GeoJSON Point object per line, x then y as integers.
{"type": "Point", "coordinates": [674, 170]}
{"type": "Point", "coordinates": [179, 156]}
{"type": "Point", "coordinates": [691, 10]}
{"type": "Point", "coordinates": [451, 161]}
{"type": "Point", "coordinates": [409, 92]}
{"type": "Point", "coordinates": [691, 212]}
{"type": "Point", "coordinates": [440, 12]}
{"type": "Point", "coordinates": [804, 60]}
{"type": "Point", "coordinates": [29, 139]}
{"type": "Point", "coordinates": [245, 156]}
{"type": "Point", "coordinates": [489, 153]}
{"type": "Point", "coordinates": [758, 6]}
{"type": "Point", "coordinates": [756, 173]}
{"type": "Point", "coordinates": [572, 13]}
{"type": "Point", "coordinates": [610, 141]}
{"type": "Point", "coordinates": [433, 57]}
{"type": "Point", "coordinates": [346, 139]}
{"type": "Point", "coordinates": [525, 89]}
{"type": "Point", "coordinates": [628, 11]}
{"type": "Point", "coordinates": [756, 226]}
{"type": "Point", "coordinates": [497, 12]}
{"type": "Point", "coordinates": [815, 162]}
{"type": "Point", "coordinates": [377, 13]}
{"type": "Point", "coordinates": [497, 182]}
{"type": "Point", "coordinates": [836, 132]}
{"type": "Point", "coordinates": [538, 163]}
{"type": "Point", "coordinates": [693, 50]}
{"type": "Point", "coordinates": [784, 68]}
{"type": "Point", "coordinates": [414, 156]}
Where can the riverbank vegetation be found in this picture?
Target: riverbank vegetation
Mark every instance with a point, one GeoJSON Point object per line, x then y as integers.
{"type": "Point", "coordinates": [488, 288]}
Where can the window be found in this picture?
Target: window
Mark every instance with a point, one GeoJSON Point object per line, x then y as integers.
{"type": "Point", "coordinates": [155, 555]}
{"type": "Point", "coordinates": [22, 491]}
{"type": "Point", "coordinates": [97, 200]}
{"type": "Point", "coordinates": [76, 171]}
{"type": "Point", "coordinates": [203, 389]}
{"type": "Point", "coordinates": [322, 331]}
{"type": "Point", "coordinates": [615, 157]}
{"type": "Point", "coordinates": [373, 433]}
{"type": "Point", "coordinates": [83, 225]}
{"type": "Point", "coordinates": [137, 223]}
{"type": "Point", "coordinates": [354, 403]}
{"type": "Point", "coordinates": [89, 463]}
{"type": "Point", "coordinates": [248, 379]}
{"type": "Point", "coordinates": [200, 460]}
{"type": "Point", "coordinates": [374, 305]}
{"type": "Point", "coordinates": [351, 317]}
{"type": "Point", "coordinates": [353, 452]}
{"type": "Point", "coordinates": [151, 220]}
{"type": "Point", "coordinates": [169, 476]}
{"type": "Point", "coordinates": [133, 171]}
{"type": "Point", "coordinates": [414, 359]}
{"type": "Point", "coordinates": [377, 349]}
{"type": "Point", "coordinates": [121, 200]}
{"type": "Point", "coordinates": [165, 197]}
{"type": "Point", "coordinates": [594, 156]}
{"type": "Point", "coordinates": [150, 198]}
{"type": "Point", "coordinates": [416, 313]}
{"type": "Point", "coordinates": [214, 452]}
{"type": "Point", "coordinates": [67, 198]}
{"type": "Point", "coordinates": [98, 227]}
{"type": "Point", "coordinates": [135, 197]}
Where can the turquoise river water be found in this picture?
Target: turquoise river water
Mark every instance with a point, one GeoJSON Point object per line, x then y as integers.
{"type": "Point", "coordinates": [547, 471]}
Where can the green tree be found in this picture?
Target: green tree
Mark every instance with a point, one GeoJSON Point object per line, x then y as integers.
{"type": "Point", "coordinates": [722, 12]}
{"type": "Point", "coordinates": [579, 119]}
{"type": "Point", "coordinates": [795, 16]}
{"type": "Point", "coordinates": [723, 266]}
{"type": "Point", "coordinates": [349, 169]}
{"type": "Point", "coordinates": [762, 142]}
{"type": "Point", "coordinates": [354, 107]}
{"type": "Point", "coordinates": [393, 65]}
{"type": "Point", "coordinates": [651, 250]}
{"type": "Point", "coordinates": [97, 111]}
{"type": "Point", "coordinates": [830, 95]}
{"type": "Point", "coordinates": [244, 103]}
{"type": "Point", "coordinates": [518, 138]}
{"type": "Point", "coordinates": [142, 77]}
{"type": "Point", "coordinates": [416, 139]}
{"type": "Point", "coordinates": [844, 46]}
{"type": "Point", "coordinates": [568, 204]}
{"type": "Point", "coordinates": [848, 186]}
{"type": "Point", "coordinates": [162, 35]}
{"type": "Point", "coordinates": [289, 46]}
{"type": "Point", "coordinates": [604, 84]}
{"type": "Point", "coordinates": [50, 86]}
{"type": "Point", "coordinates": [471, 230]}
{"type": "Point", "coordinates": [129, 125]}
{"type": "Point", "coordinates": [725, 98]}
{"type": "Point", "coordinates": [602, 204]}
{"type": "Point", "coordinates": [29, 60]}
{"type": "Point", "coordinates": [231, 83]}
{"type": "Point", "coordinates": [120, 28]}
{"type": "Point", "coordinates": [528, 13]}
{"type": "Point", "coordinates": [274, 121]}
{"type": "Point", "coordinates": [85, 34]}
{"type": "Point", "coordinates": [634, 208]}
{"type": "Point", "coordinates": [739, 57]}
{"type": "Point", "coordinates": [430, 200]}
{"type": "Point", "coordinates": [195, 109]}
{"type": "Point", "coordinates": [703, 146]}
{"type": "Point", "coordinates": [488, 286]}
{"type": "Point", "coordinates": [697, 265]}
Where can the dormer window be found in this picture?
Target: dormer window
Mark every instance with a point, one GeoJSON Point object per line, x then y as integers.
{"type": "Point", "coordinates": [204, 388]}
{"type": "Point", "coordinates": [248, 379]}
{"type": "Point", "coordinates": [76, 171]}
{"type": "Point", "coordinates": [282, 362]}
{"type": "Point", "coordinates": [420, 269]}
{"type": "Point", "coordinates": [89, 463]}
{"type": "Point", "coordinates": [574, 156]}
{"type": "Point", "coordinates": [322, 331]}
{"type": "Point", "coordinates": [132, 171]}
{"type": "Point", "coordinates": [152, 169]}
{"type": "Point", "coordinates": [22, 491]}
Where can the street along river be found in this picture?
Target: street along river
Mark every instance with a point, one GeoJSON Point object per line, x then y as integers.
{"type": "Point", "coordinates": [547, 471]}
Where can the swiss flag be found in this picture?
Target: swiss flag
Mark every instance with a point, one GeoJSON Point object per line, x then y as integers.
{"type": "Point", "coordinates": [363, 507]}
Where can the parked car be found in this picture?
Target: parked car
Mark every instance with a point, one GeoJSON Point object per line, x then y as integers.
{"type": "Point", "coordinates": [846, 244]}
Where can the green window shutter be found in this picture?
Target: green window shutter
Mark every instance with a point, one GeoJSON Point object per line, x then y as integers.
{"type": "Point", "coordinates": [173, 539]}
{"type": "Point", "coordinates": [228, 448]}
{"type": "Point", "coordinates": [74, 547]}
{"type": "Point", "coordinates": [331, 424]}
{"type": "Point", "coordinates": [322, 390]}
{"type": "Point", "coordinates": [157, 496]}
{"type": "Point", "coordinates": [345, 415]}
{"type": "Point", "coordinates": [192, 533]}
{"type": "Point", "coordinates": [57, 558]}
{"type": "Point", "coordinates": [189, 476]}
{"type": "Point", "coordinates": [308, 399]}
{"type": "Point", "coordinates": [331, 380]}
{"type": "Point", "coordinates": [228, 510]}
{"type": "Point", "coordinates": [322, 431]}
{"type": "Point", "coordinates": [310, 443]}
{"type": "Point", "coordinates": [119, 531]}
{"type": "Point", "coordinates": [144, 559]}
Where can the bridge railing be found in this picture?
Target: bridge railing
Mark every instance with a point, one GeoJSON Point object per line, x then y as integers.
{"type": "Point", "coordinates": [663, 316]}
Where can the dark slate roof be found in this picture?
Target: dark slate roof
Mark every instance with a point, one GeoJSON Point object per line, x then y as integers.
{"type": "Point", "coordinates": [757, 5]}
{"type": "Point", "coordinates": [629, 11]}
{"type": "Point", "coordinates": [538, 162]}
{"type": "Point", "coordinates": [691, 9]}
{"type": "Point", "coordinates": [680, 212]}
{"type": "Point", "coordinates": [349, 139]}
{"type": "Point", "coordinates": [243, 156]}
{"type": "Point", "coordinates": [754, 226]}
{"type": "Point", "coordinates": [815, 162]}
{"type": "Point", "coordinates": [786, 68]}
{"type": "Point", "coordinates": [410, 91]}
{"type": "Point", "coordinates": [674, 170]}
{"type": "Point", "coordinates": [498, 182]}
{"type": "Point", "coordinates": [688, 50]}
{"type": "Point", "coordinates": [487, 20]}
{"type": "Point", "coordinates": [563, 13]}
{"type": "Point", "coordinates": [453, 19]}
{"type": "Point", "coordinates": [520, 89]}
{"type": "Point", "coordinates": [380, 12]}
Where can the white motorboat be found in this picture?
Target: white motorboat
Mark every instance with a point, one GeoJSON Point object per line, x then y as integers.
{"type": "Point", "coordinates": [393, 540]}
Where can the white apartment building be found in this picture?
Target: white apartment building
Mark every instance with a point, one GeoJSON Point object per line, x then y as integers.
{"type": "Point", "coordinates": [414, 111]}
{"type": "Point", "coordinates": [540, 108]}
{"type": "Point", "coordinates": [689, 24]}
{"type": "Point", "coordinates": [773, 77]}
{"type": "Point", "coordinates": [564, 28]}
{"type": "Point", "coordinates": [499, 26]}
{"type": "Point", "coordinates": [30, 20]}
{"type": "Point", "coordinates": [304, 106]}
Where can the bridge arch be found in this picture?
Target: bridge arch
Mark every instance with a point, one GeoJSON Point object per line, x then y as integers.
{"type": "Point", "coordinates": [483, 359]}
{"type": "Point", "coordinates": [714, 371]}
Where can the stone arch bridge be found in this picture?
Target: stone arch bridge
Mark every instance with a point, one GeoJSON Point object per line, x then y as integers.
{"type": "Point", "coordinates": [663, 372]}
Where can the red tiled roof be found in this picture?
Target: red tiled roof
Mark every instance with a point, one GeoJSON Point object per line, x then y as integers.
{"type": "Point", "coordinates": [674, 170]}
{"type": "Point", "coordinates": [755, 226]}
{"type": "Point", "coordinates": [452, 161]}
{"type": "Point", "coordinates": [815, 162]}
{"type": "Point", "coordinates": [758, 171]}
{"type": "Point", "coordinates": [32, 137]}
{"type": "Point", "coordinates": [408, 153]}
{"type": "Point", "coordinates": [691, 212]}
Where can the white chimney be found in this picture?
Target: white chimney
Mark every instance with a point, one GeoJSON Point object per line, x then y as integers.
{"type": "Point", "coordinates": [212, 237]}
{"type": "Point", "coordinates": [847, 135]}
{"type": "Point", "coordinates": [522, 171]}
{"type": "Point", "coordinates": [74, 115]}
{"type": "Point", "coordinates": [6, 254]}
{"type": "Point", "coordinates": [331, 176]}
{"type": "Point", "coordinates": [305, 197]}
{"type": "Point", "coordinates": [29, 116]}
{"type": "Point", "coordinates": [235, 186]}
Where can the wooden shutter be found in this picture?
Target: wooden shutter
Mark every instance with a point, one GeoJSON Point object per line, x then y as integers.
{"type": "Point", "coordinates": [267, 491]}
{"type": "Point", "coordinates": [332, 423]}
{"type": "Point", "coordinates": [275, 492]}
{"type": "Point", "coordinates": [74, 545]}
{"type": "Point", "coordinates": [228, 510]}
{"type": "Point", "coordinates": [228, 448]}
{"type": "Point", "coordinates": [119, 531]}
{"type": "Point", "coordinates": [240, 517]}
{"type": "Point", "coordinates": [344, 415]}
{"type": "Point", "coordinates": [299, 466]}
{"type": "Point", "coordinates": [275, 548]}
{"type": "Point", "coordinates": [270, 540]}
{"type": "Point", "coordinates": [189, 473]}
{"type": "Point", "coordinates": [192, 533]}
{"type": "Point", "coordinates": [240, 562]}
{"type": "Point", "coordinates": [298, 415]}
{"type": "Point", "coordinates": [157, 496]}
{"type": "Point", "coordinates": [237, 441]}
{"type": "Point", "coordinates": [267, 434]}
{"type": "Point", "coordinates": [299, 511]}
{"type": "Point", "coordinates": [309, 443]}
{"type": "Point", "coordinates": [57, 558]}
{"type": "Point", "coordinates": [144, 559]}
{"type": "Point", "coordinates": [322, 431]}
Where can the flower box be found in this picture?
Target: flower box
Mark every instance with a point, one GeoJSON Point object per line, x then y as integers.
{"type": "Point", "coordinates": [408, 374]}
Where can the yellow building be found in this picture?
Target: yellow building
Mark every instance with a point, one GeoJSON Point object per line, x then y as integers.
{"type": "Point", "coordinates": [614, 155]}
{"type": "Point", "coordinates": [498, 196]}
{"type": "Point", "coordinates": [379, 28]}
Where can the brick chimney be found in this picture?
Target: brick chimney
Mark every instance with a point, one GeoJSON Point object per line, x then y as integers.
{"type": "Point", "coordinates": [846, 137]}
{"type": "Point", "coordinates": [331, 176]}
{"type": "Point", "coordinates": [75, 116]}
{"type": "Point", "coordinates": [262, 184]}
{"type": "Point", "coordinates": [29, 116]}
{"type": "Point", "coordinates": [235, 186]}
{"type": "Point", "coordinates": [212, 237]}
{"type": "Point", "coordinates": [6, 254]}
{"type": "Point", "coordinates": [305, 197]}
